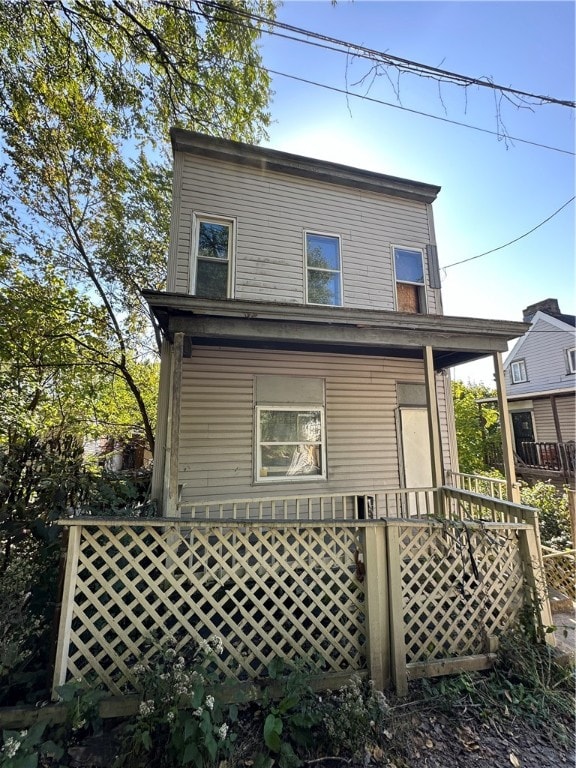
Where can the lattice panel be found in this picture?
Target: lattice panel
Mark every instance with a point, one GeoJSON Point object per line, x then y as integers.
{"type": "Point", "coordinates": [560, 573]}
{"type": "Point", "coordinates": [459, 587]}
{"type": "Point", "coordinates": [280, 591]}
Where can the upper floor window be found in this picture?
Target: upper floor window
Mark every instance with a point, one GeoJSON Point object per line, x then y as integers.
{"type": "Point", "coordinates": [410, 290]}
{"type": "Point", "coordinates": [518, 371]}
{"type": "Point", "coordinates": [571, 358]}
{"type": "Point", "coordinates": [213, 255]}
{"type": "Point", "coordinates": [323, 269]}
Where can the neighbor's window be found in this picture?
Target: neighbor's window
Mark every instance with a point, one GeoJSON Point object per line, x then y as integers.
{"type": "Point", "coordinates": [518, 372]}
{"type": "Point", "coordinates": [410, 291]}
{"type": "Point", "coordinates": [213, 251]}
{"type": "Point", "coordinates": [323, 269]}
{"type": "Point", "coordinates": [289, 443]}
{"type": "Point", "coordinates": [571, 356]}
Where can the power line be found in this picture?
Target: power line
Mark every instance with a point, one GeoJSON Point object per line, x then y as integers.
{"type": "Point", "coordinates": [399, 63]}
{"type": "Point", "coordinates": [419, 112]}
{"type": "Point", "coordinates": [499, 248]}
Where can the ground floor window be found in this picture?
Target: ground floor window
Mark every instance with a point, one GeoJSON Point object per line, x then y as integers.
{"type": "Point", "coordinates": [289, 443]}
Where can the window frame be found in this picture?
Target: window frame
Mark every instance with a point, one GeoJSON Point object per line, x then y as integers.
{"type": "Point", "coordinates": [422, 293]}
{"type": "Point", "coordinates": [521, 364]}
{"type": "Point", "coordinates": [198, 218]}
{"type": "Point", "coordinates": [299, 408]}
{"type": "Point", "coordinates": [337, 237]}
{"type": "Point", "coordinates": [571, 359]}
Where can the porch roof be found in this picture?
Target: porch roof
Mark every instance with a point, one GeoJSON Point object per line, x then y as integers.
{"type": "Point", "coordinates": [454, 340]}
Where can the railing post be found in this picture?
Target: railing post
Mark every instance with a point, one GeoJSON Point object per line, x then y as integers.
{"type": "Point", "coordinates": [396, 608]}
{"type": "Point", "coordinates": [531, 554]}
{"type": "Point", "coordinates": [377, 604]}
{"type": "Point", "coordinates": [67, 609]}
{"type": "Point", "coordinates": [572, 512]}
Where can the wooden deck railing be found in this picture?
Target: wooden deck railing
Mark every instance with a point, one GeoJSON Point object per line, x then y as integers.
{"type": "Point", "coordinates": [560, 569]}
{"type": "Point", "coordinates": [558, 457]}
{"type": "Point", "coordinates": [489, 486]}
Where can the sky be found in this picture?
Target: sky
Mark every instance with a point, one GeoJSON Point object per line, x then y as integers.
{"type": "Point", "coordinates": [493, 189]}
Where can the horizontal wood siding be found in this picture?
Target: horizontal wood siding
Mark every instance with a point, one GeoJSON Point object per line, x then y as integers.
{"type": "Point", "coordinates": [217, 421]}
{"type": "Point", "coordinates": [273, 210]}
{"type": "Point", "coordinates": [544, 351]}
{"type": "Point", "coordinates": [544, 419]}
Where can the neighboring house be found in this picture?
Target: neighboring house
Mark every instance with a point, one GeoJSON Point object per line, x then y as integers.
{"type": "Point", "coordinates": [540, 386]}
{"type": "Point", "coordinates": [306, 349]}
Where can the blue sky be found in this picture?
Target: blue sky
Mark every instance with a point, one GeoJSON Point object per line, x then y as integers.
{"type": "Point", "coordinates": [492, 190]}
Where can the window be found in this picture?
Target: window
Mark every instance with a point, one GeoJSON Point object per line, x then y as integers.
{"type": "Point", "coordinates": [290, 443]}
{"type": "Point", "coordinates": [571, 357]}
{"type": "Point", "coordinates": [323, 270]}
{"type": "Point", "coordinates": [213, 249]}
{"type": "Point", "coordinates": [410, 291]}
{"type": "Point", "coordinates": [518, 371]}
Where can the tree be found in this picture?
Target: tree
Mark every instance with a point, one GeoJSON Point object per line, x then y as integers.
{"type": "Point", "coordinates": [87, 94]}
{"type": "Point", "coordinates": [475, 431]}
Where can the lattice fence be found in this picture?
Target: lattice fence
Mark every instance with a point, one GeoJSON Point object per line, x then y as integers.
{"type": "Point", "coordinates": [560, 568]}
{"type": "Point", "coordinates": [461, 585]}
{"type": "Point", "coordinates": [284, 590]}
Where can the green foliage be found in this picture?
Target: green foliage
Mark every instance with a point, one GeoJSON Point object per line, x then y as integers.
{"type": "Point", "coordinates": [476, 432]}
{"type": "Point", "coordinates": [180, 720]}
{"type": "Point", "coordinates": [354, 718]}
{"type": "Point", "coordinates": [553, 514]}
{"type": "Point", "coordinates": [290, 716]}
{"type": "Point", "coordinates": [527, 683]}
{"type": "Point", "coordinates": [22, 749]}
{"type": "Point", "coordinates": [88, 92]}
{"type": "Point", "coordinates": [41, 481]}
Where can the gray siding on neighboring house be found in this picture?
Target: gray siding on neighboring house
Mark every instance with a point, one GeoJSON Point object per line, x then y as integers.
{"type": "Point", "coordinates": [544, 351]}
{"type": "Point", "coordinates": [216, 451]}
{"type": "Point", "coordinates": [272, 210]}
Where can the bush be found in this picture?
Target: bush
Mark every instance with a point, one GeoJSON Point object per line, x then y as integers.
{"type": "Point", "coordinates": [553, 513]}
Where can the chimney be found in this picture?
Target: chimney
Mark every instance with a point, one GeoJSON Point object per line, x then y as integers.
{"type": "Point", "coordinates": [550, 306]}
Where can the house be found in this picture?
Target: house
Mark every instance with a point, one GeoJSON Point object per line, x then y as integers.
{"type": "Point", "coordinates": [306, 351]}
{"type": "Point", "coordinates": [304, 414]}
{"type": "Point", "coordinates": [540, 376]}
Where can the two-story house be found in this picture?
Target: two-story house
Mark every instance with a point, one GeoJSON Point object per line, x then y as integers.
{"type": "Point", "coordinates": [306, 351]}
{"type": "Point", "coordinates": [541, 391]}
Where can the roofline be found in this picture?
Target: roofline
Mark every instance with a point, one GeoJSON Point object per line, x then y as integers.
{"type": "Point", "coordinates": [540, 315]}
{"type": "Point", "coordinates": [455, 340]}
{"type": "Point", "coordinates": [531, 395]}
{"type": "Point", "coordinates": [265, 159]}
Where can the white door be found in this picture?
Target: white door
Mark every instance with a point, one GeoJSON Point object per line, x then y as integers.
{"type": "Point", "coordinates": [415, 447]}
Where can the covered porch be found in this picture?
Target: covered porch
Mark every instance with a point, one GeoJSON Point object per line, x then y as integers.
{"type": "Point", "coordinates": [426, 345]}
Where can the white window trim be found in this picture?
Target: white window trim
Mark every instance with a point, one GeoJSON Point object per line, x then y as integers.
{"type": "Point", "coordinates": [197, 218]}
{"type": "Point", "coordinates": [519, 365]}
{"type": "Point", "coordinates": [422, 285]}
{"type": "Point", "coordinates": [305, 233]}
{"type": "Point", "coordinates": [257, 442]}
{"type": "Point", "coordinates": [571, 359]}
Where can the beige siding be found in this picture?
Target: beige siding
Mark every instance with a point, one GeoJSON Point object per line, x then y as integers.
{"type": "Point", "coordinates": [273, 210]}
{"type": "Point", "coordinates": [217, 421]}
{"type": "Point", "coordinates": [544, 419]}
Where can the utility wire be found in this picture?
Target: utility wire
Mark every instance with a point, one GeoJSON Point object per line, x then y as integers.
{"type": "Point", "coordinates": [379, 56]}
{"type": "Point", "coordinates": [418, 112]}
{"type": "Point", "coordinates": [499, 248]}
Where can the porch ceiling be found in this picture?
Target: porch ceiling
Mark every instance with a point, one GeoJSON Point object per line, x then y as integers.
{"type": "Point", "coordinates": [454, 340]}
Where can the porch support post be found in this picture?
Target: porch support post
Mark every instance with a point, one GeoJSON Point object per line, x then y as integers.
{"type": "Point", "coordinates": [512, 488]}
{"type": "Point", "coordinates": [377, 608]}
{"type": "Point", "coordinates": [170, 496]}
{"type": "Point", "coordinates": [556, 419]}
{"type": "Point", "coordinates": [433, 420]}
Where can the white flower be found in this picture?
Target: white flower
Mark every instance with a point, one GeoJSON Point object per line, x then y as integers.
{"type": "Point", "coordinates": [139, 668]}
{"type": "Point", "coordinates": [146, 707]}
{"type": "Point", "coordinates": [204, 646]}
{"type": "Point", "coordinates": [223, 731]}
{"type": "Point", "coordinates": [209, 702]}
{"type": "Point", "coordinates": [11, 746]}
{"type": "Point", "coordinates": [170, 653]}
{"type": "Point", "coordinates": [198, 712]}
{"type": "Point", "coordinates": [216, 643]}
{"type": "Point", "coordinates": [23, 734]}
{"type": "Point", "coordinates": [170, 717]}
